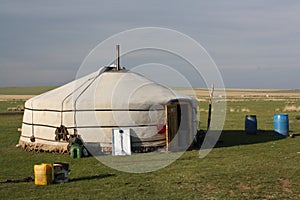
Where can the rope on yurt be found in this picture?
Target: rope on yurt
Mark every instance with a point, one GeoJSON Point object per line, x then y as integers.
{"type": "Point", "coordinates": [104, 69]}
{"type": "Point", "coordinates": [62, 132]}
{"type": "Point", "coordinates": [69, 95]}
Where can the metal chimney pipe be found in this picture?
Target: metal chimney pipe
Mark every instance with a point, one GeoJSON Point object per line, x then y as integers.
{"type": "Point", "coordinates": [118, 58]}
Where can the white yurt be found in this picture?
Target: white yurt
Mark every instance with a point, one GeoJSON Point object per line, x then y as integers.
{"type": "Point", "coordinates": [93, 106]}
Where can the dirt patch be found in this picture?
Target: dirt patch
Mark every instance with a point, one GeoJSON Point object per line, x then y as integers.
{"type": "Point", "coordinates": [15, 97]}
{"type": "Point", "coordinates": [243, 187]}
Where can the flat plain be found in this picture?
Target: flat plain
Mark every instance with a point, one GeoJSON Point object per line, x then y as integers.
{"type": "Point", "coordinates": [240, 166]}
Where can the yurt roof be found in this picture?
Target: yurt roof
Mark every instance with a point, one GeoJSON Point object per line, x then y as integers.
{"type": "Point", "coordinates": [106, 90]}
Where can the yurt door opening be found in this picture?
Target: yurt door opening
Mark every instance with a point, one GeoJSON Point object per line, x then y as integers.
{"type": "Point", "coordinates": [179, 123]}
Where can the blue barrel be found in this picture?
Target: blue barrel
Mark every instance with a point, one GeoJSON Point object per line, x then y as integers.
{"type": "Point", "coordinates": [281, 125]}
{"type": "Point", "coordinates": [250, 124]}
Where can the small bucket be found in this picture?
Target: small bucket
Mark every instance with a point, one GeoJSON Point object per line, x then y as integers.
{"type": "Point", "coordinates": [61, 172]}
{"type": "Point", "coordinates": [76, 151]}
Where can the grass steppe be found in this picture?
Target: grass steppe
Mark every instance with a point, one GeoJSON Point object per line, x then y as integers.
{"type": "Point", "coordinates": [33, 90]}
{"type": "Point", "coordinates": [241, 166]}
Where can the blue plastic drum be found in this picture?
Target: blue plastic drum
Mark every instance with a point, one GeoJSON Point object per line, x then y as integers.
{"type": "Point", "coordinates": [281, 125]}
{"type": "Point", "coordinates": [250, 124]}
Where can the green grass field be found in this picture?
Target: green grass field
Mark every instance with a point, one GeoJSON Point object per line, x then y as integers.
{"type": "Point", "coordinates": [6, 104]}
{"type": "Point", "coordinates": [240, 167]}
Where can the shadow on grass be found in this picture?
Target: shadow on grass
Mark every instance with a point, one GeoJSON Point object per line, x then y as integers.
{"type": "Point", "coordinates": [239, 137]}
{"type": "Point", "coordinates": [30, 179]}
{"type": "Point", "coordinates": [230, 138]}
{"type": "Point", "coordinates": [100, 176]}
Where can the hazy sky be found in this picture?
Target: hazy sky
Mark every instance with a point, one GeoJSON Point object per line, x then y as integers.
{"type": "Point", "coordinates": [255, 44]}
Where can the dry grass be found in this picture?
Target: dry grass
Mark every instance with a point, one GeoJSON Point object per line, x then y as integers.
{"type": "Point", "coordinates": [291, 108]}
{"type": "Point", "coordinates": [15, 97]}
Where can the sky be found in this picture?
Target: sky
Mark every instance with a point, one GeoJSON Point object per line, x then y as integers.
{"type": "Point", "coordinates": [254, 44]}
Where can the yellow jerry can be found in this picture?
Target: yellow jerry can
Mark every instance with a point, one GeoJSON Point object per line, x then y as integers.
{"type": "Point", "coordinates": [43, 174]}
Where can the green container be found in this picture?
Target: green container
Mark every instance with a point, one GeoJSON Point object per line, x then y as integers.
{"type": "Point", "coordinates": [76, 151]}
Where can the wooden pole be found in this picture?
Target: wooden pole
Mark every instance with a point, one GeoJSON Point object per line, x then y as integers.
{"type": "Point", "coordinates": [167, 128]}
{"type": "Point", "coordinates": [211, 96]}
